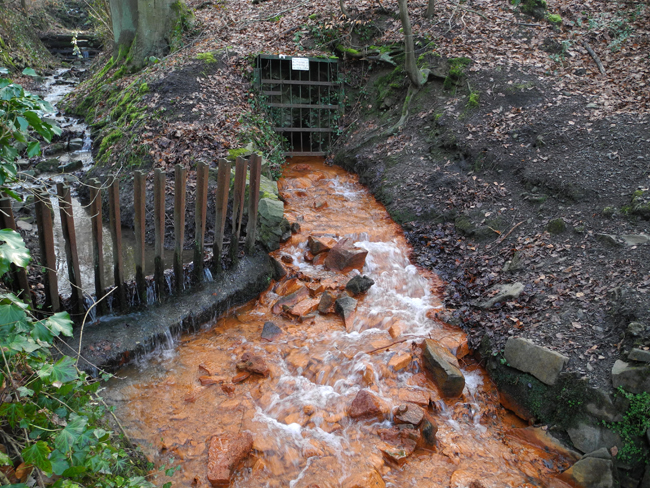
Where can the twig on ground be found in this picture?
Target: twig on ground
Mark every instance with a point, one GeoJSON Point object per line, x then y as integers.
{"type": "Point", "coordinates": [83, 324]}
{"type": "Point", "coordinates": [503, 238]}
{"type": "Point", "coordinates": [595, 57]}
{"type": "Point", "coordinates": [387, 346]}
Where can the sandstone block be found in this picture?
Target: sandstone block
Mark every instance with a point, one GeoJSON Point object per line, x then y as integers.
{"type": "Point", "coordinates": [444, 368]}
{"type": "Point", "coordinates": [224, 455]}
{"type": "Point", "coordinates": [542, 363]}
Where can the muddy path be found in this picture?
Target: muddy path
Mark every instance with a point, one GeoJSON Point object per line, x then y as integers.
{"type": "Point", "coordinates": [299, 414]}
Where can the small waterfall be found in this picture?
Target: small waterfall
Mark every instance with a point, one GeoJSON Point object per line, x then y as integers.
{"type": "Point", "coordinates": [89, 302]}
{"type": "Point", "coordinates": [151, 293]}
{"type": "Point", "coordinates": [207, 274]}
{"type": "Point", "coordinates": [170, 285]}
{"type": "Point", "coordinates": [88, 142]}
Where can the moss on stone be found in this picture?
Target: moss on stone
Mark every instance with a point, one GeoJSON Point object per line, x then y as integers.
{"type": "Point", "coordinates": [207, 57]}
{"type": "Point", "coordinates": [554, 19]}
{"type": "Point", "coordinates": [556, 226]}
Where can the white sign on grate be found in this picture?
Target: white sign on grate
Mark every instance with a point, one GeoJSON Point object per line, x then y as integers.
{"type": "Point", "coordinates": [300, 64]}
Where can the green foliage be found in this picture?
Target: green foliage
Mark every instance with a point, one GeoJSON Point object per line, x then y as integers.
{"type": "Point", "coordinates": [635, 423]}
{"type": "Point", "coordinates": [456, 71]}
{"type": "Point", "coordinates": [19, 119]}
{"type": "Point", "coordinates": [256, 128]}
{"type": "Point", "coordinates": [473, 100]}
{"type": "Point", "coordinates": [184, 22]}
{"type": "Point", "coordinates": [207, 57]}
{"type": "Point", "coordinates": [554, 19]}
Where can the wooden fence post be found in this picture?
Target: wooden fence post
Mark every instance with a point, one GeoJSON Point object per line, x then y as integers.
{"type": "Point", "coordinates": [46, 242]}
{"type": "Point", "coordinates": [199, 218]}
{"type": "Point", "coordinates": [139, 202]}
{"type": "Point", "coordinates": [98, 245]}
{"type": "Point", "coordinates": [221, 206]}
{"type": "Point", "coordinates": [115, 223]}
{"type": "Point", "coordinates": [180, 174]}
{"type": "Point", "coordinates": [8, 222]}
{"type": "Point", "coordinates": [71, 253]}
{"type": "Point", "coordinates": [238, 207]}
{"type": "Point", "coordinates": [159, 229]}
{"type": "Point", "coordinates": [255, 163]}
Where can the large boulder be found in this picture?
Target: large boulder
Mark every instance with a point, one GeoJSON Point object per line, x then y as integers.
{"type": "Point", "coordinates": [344, 256]}
{"type": "Point", "coordinates": [225, 453]}
{"type": "Point", "coordinates": [542, 363]}
{"type": "Point", "coordinates": [635, 379]}
{"type": "Point", "coordinates": [591, 472]}
{"type": "Point", "coordinates": [444, 367]}
{"type": "Point", "coordinates": [273, 225]}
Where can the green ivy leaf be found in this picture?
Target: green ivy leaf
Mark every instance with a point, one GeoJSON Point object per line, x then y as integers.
{"type": "Point", "coordinates": [5, 460]}
{"type": "Point", "coordinates": [68, 436]}
{"type": "Point", "coordinates": [63, 370]}
{"type": "Point", "coordinates": [59, 323]}
{"type": "Point", "coordinates": [3, 70]}
{"type": "Point", "coordinates": [37, 454]}
{"type": "Point", "coordinates": [11, 314]}
{"type": "Point", "coordinates": [42, 333]}
{"type": "Point", "coordinates": [33, 149]}
{"type": "Point", "coordinates": [13, 412]}
{"type": "Point", "coordinates": [24, 391]}
{"type": "Point", "coordinates": [59, 462]}
{"type": "Point", "coordinates": [22, 343]}
{"type": "Point", "coordinates": [29, 72]}
{"type": "Point", "coordinates": [12, 251]}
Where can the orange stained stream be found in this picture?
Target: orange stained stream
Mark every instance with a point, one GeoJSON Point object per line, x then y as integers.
{"type": "Point", "coordinates": [302, 434]}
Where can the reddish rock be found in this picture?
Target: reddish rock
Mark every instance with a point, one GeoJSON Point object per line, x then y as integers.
{"type": "Point", "coordinates": [344, 256]}
{"type": "Point", "coordinates": [327, 301]}
{"type": "Point", "coordinates": [408, 413]}
{"type": "Point", "coordinates": [302, 167]}
{"type": "Point", "coordinates": [412, 395]}
{"type": "Point", "coordinates": [366, 405]}
{"type": "Point", "coordinates": [400, 361]}
{"type": "Point", "coordinates": [228, 389]}
{"type": "Point", "coordinates": [241, 376]}
{"type": "Point", "coordinates": [225, 454]}
{"type": "Point", "coordinates": [318, 245]}
{"type": "Point", "coordinates": [304, 307]}
{"type": "Point", "coordinates": [308, 256]}
{"type": "Point", "coordinates": [288, 286]}
{"type": "Point", "coordinates": [443, 366]}
{"type": "Point", "coordinates": [368, 478]}
{"type": "Point", "coordinates": [290, 300]}
{"type": "Point", "coordinates": [253, 364]}
{"type": "Point", "coordinates": [286, 258]}
{"type": "Point", "coordinates": [315, 288]}
{"type": "Point", "coordinates": [320, 204]}
{"type": "Point", "coordinates": [320, 259]}
{"type": "Point", "coordinates": [399, 454]}
{"type": "Point", "coordinates": [211, 380]}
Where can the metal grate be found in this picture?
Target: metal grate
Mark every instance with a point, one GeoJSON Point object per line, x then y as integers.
{"type": "Point", "coordinates": [302, 96]}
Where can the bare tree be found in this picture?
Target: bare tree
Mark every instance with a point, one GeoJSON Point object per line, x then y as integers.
{"type": "Point", "coordinates": [343, 11]}
{"type": "Point", "coordinates": [430, 9]}
{"type": "Point", "coordinates": [409, 48]}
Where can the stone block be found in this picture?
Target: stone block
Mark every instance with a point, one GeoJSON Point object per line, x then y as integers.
{"type": "Point", "coordinates": [635, 379]}
{"type": "Point", "coordinates": [542, 363]}
{"type": "Point", "coordinates": [444, 368]}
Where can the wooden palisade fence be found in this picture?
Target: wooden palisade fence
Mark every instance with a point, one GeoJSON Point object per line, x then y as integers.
{"type": "Point", "coordinates": [46, 233]}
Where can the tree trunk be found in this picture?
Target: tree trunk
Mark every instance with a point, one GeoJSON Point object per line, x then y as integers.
{"type": "Point", "coordinates": [342, 5]}
{"type": "Point", "coordinates": [144, 26]}
{"type": "Point", "coordinates": [430, 9]}
{"type": "Point", "coordinates": [409, 49]}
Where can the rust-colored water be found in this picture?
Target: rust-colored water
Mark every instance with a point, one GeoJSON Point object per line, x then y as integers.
{"type": "Point", "coordinates": [298, 414]}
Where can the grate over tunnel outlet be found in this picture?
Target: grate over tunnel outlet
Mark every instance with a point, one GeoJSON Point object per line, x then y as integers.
{"type": "Point", "coordinates": [303, 98]}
